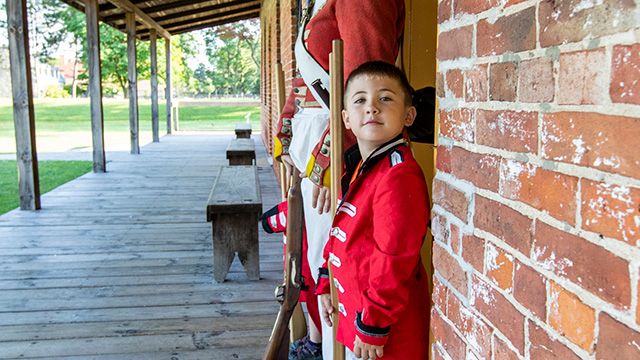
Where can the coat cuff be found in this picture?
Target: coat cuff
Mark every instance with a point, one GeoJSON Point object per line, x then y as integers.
{"type": "Point", "coordinates": [318, 166]}
{"type": "Point", "coordinates": [323, 286]}
{"type": "Point", "coordinates": [371, 334]}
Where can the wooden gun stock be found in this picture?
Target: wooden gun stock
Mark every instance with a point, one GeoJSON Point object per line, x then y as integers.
{"type": "Point", "coordinates": [278, 346]}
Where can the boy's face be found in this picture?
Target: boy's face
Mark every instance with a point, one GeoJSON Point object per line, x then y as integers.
{"type": "Point", "coordinates": [375, 110]}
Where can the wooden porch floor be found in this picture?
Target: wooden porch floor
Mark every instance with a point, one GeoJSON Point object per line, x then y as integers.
{"type": "Point", "coordinates": [118, 265]}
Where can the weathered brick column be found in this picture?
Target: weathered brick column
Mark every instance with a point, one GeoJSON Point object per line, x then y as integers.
{"type": "Point", "coordinates": [536, 213]}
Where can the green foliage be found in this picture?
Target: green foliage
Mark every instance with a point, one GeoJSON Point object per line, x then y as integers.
{"type": "Point", "coordinates": [54, 91]}
{"type": "Point", "coordinates": [52, 175]}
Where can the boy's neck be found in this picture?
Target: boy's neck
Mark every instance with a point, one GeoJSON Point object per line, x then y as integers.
{"type": "Point", "coordinates": [366, 148]}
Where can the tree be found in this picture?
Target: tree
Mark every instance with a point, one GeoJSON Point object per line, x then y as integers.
{"type": "Point", "coordinates": [233, 50]}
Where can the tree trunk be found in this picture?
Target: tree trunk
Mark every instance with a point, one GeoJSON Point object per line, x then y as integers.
{"type": "Point", "coordinates": [74, 83]}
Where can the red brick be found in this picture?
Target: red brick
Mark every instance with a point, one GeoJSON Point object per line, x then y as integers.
{"type": "Point", "coordinates": [530, 289]}
{"type": "Point", "coordinates": [543, 347]}
{"type": "Point", "coordinates": [476, 84]}
{"type": "Point", "coordinates": [444, 335]}
{"type": "Point", "coordinates": [536, 80]}
{"type": "Point", "coordinates": [440, 85]}
{"type": "Point", "coordinates": [473, 251]}
{"type": "Point", "coordinates": [443, 159]}
{"type": "Point", "coordinates": [454, 234]}
{"type": "Point", "coordinates": [480, 169]}
{"type": "Point", "coordinates": [582, 79]}
{"type": "Point", "coordinates": [499, 265]}
{"type": "Point", "coordinates": [611, 210]}
{"type": "Point", "coordinates": [513, 2]}
{"type": "Point", "coordinates": [586, 264]}
{"type": "Point", "coordinates": [571, 317]}
{"type": "Point", "coordinates": [451, 199]}
{"type": "Point", "coordinates": [455, 44]}
{"type": "Point", "coordinates": [594, 140]}
{"type": "Point", "coordinates": [511, 33]}
{"type": "Point", "coordinates": [455, 82]}
{"type": "Point", "coordinates": [439, 228]}
{"type": "Point", "coordinates": [474, 330]}
{"type": "Point", "coordinates": [545, 190]}
{"type": "Point", "coordinates": [502, 351]}
{"type": "Point", "coordinates": [473, 6]}
{"type": "Point", "coordinates": [560, 23]}
{"type": "Point", "coordinates": [504, 223]}
{"type": "Point", "coordinates": [503, 81]}
{"type": "Point", "coordinates": [444, 11]}
{"type": "Point", "coordinates": [638, 307]}
{"type": "Point", "coordinates": [616, 340]}
{"type": "Point", "coordinates": [437, 355]}
{"type": "Point", "coordinates": [510, 130]}
{"type": "Point", "coordinates": [457, 124]}
{"type": "Point", "coordinates": [625, 74]}
{"type": "Point", "coordinates": [500, 312]}
{"type": "Point", "coordinates": [449, 268]}
{"type": "Point", "coordinates": [439, 295]}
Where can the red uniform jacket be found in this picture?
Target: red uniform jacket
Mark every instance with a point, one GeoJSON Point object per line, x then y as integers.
{"type": "Point", "coordinates": [374, 251]}
{"type": "Point", "coordinates": [371, 30]}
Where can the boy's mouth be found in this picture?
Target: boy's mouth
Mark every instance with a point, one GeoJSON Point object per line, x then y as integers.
{"type": "Point", "coordinates": [372, 122]}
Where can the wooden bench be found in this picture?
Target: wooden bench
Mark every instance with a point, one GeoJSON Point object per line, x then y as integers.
{"type": "Point", "coordinates": [243, 131]}
{"type": "Point", "coordinates": [233, 209]}
{"type": "Point", "coordinates": [241, 152]}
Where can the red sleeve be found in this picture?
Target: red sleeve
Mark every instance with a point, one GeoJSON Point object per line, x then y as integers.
{"type": "Point", "coordinates": [370, 30]}
{"type": "Point", "coordinates": [399, 226]}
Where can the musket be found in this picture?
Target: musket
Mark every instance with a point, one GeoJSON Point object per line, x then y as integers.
{"type": "Point", "coordinates": [278, 346]}
{"type": "Point", "coordinates": [336, 71]}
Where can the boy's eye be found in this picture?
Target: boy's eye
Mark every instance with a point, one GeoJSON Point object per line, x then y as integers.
{"type": "Point", "coordinates": [358, 101]}
{"type": "Point", "coordinates": [385, 98]}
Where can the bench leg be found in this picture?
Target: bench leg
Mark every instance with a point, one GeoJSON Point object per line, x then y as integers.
{"type": "Point", "coordinates": [223, 252]}
{"type": "Point", "coordinates": [231, 233]}
{"type": "Point", "coordinates": [248, 251]}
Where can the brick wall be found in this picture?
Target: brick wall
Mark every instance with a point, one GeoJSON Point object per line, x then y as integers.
{"type": "Point", "coordinates": [278, 20]}
{"type": "Point", "coordinates": [536, 214]}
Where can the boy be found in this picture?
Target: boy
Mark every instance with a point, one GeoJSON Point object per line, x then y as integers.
{"type": "Point", "coordinates": [380, 224]}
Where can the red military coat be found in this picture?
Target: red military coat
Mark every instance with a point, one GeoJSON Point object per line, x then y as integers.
{"type": "Point", "coordinates": [371, 30]}
{"type": "Point", "coordinates": [374, 251]}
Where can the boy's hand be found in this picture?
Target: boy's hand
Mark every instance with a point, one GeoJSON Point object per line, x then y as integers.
{"type": "Point", "coordinates": [327, 308]}
{"type": "Point", "coordinates": [321, 199]}
{"type": "Point", "coordinates": [366, 351]}
{"type": "Point", "coordinates": [288, 165]}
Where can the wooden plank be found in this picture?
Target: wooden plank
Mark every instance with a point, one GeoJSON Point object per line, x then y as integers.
{"type": "Point", "coordinates": [167, 85]}
{"type": "Point", "coordinates": [95, 86]}
{"type": "Point", "coordinates": [154, 85]}
{"type": "Point", "coordinates": [236, 189]}
{"type": "Point", "coordinates": [241, 152]}
{"type": "Point", "coordinates": [243, 130]}
{"type": "Point", "coordinates": [133, 87]}
{"type": "Point", "coordinates": [129, 7]}
{"type": "Point", "coordinates": [23, 112]}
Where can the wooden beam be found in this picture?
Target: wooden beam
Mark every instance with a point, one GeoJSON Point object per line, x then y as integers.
{"type": "Point", "coordinates": [204, 25]}
{"type": "Point", "coordinates": [154, 85]}
{"type": "Point", "coordinates": [23, 113]}
{"type": "Point", "coordinates": [95, 86]}
{"type": "Point", "coordinates": [226, 7]}
{"type": "Point", "coordinates": [127, 6]}
{"type": "Point", "coordinates": [158, 8]}
{"type": "Point", "coordinates": [133, 86]}
{"type": "Point", "coordinates": [167, 90]}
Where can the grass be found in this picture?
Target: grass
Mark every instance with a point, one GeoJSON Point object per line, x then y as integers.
{"type": "Point", "coordinates": [52, 175]}
{"type": "Point", "coordinates": [59, 119]}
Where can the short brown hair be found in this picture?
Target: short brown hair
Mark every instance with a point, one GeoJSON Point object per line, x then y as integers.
{"type": "Point", "coordinates": [381, 68]}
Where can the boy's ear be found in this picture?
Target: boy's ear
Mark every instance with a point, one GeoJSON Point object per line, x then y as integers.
{"type": "Point", "coordinates": [411, 116]}
{"type": "Point", "coordinates": [345, 119]}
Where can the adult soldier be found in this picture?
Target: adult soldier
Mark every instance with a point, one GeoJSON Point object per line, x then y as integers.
{"type": "Point", "coordinates": [371, 30]}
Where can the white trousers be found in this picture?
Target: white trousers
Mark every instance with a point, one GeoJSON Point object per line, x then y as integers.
{"type": "Point", "coordinates": [307, 127]}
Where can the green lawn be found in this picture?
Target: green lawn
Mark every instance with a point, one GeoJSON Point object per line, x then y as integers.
{"type": "Point", "coordinates": [58, 121]}
{"type": "Point", "coordinates": [52, 175]}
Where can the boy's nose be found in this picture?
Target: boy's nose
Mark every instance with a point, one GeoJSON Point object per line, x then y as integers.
{"type": "Point", "coordinates": [372, 110]}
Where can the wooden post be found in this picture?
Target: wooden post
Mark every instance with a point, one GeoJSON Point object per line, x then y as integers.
{"type": "Point", "coordinates": [167, 90]}
{"type": "Point", "coordinates": [154, 85]}
{"type": "Point", "coordinates": [335, 105]}
{"type": "Point", "coordinates": [95, 86]}
{"type": "Point", "coordinates": [23, 115]}
{"type": "Point", "coordinates": [133, 87]}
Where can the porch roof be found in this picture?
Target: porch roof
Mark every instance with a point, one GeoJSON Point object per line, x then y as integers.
{"type": "Point", "coordinates": [171, 17]}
